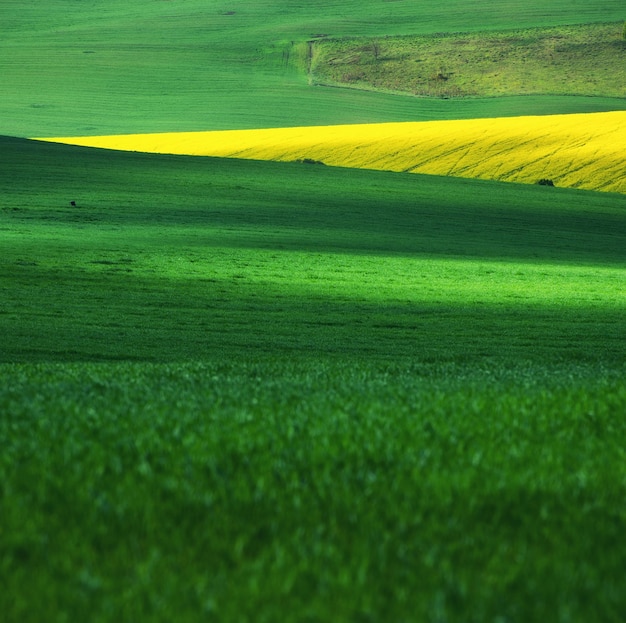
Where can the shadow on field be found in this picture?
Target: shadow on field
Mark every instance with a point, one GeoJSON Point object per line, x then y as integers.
{"type": "Point", "coordinates": [152, 261]}
{"type": "Point", "coordinates": [55, 317]}
{"type": "Point", "coordinates": [199, 202]}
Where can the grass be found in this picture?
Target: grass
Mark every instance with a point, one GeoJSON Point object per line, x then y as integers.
{"type": "Point", "coordinates": [578, 151]}
{"type": "Point", "coordinates": [241, 390]}
{"type": "Point", "coordinates": [104, 68]}
{"type": "Point", "coordinates": [312, 491]}
{"type": "Point", "coordinates": [584, 60]}
{"type": "Point", "coordinates": [257, 391]}
{"type": "Point", "coordinates": [203, 256]}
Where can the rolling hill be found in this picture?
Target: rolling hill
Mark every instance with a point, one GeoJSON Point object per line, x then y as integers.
{"type": "Point", "coordinates": [243, 390]}
{"type": "Point", "coordinates": [578, 151]}
{"type": "Point", "coordinates": [170, 258]}
{"type": "Point", "coordinates": [252, 370]}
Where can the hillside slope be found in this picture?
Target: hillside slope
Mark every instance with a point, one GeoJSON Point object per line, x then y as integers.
{"type": "Point", "coordinates": [325, 394]}
{"type": "Point", "coordinates": [175, 258]}
{"type": "Point", "coordinates": [578, 151]}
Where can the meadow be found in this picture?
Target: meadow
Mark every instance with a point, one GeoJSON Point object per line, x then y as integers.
{"type": "Point", "coordinates": [243, 390]}
{"type": "Point", "coordinates": [372, 255]}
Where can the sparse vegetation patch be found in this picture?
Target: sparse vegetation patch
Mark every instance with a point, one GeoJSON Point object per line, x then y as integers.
{"type": "Point", "coordinates": [573, 60]}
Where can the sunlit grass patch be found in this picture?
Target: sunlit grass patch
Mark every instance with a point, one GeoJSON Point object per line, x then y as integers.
{"type": "Point", "coordinates": [579, 151]}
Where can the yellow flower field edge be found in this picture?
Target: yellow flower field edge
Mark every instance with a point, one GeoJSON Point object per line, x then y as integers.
{"type": "Point", "coordinates": [578, 150]}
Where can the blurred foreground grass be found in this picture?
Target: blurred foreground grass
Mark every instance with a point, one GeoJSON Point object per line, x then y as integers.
{"type": "Point", "coordinates": [312, 490]}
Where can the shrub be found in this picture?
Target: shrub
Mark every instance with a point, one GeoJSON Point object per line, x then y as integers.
{"type": "Point", "coordinates": [310, 161]}
{"type": "Point", "coordinates": [545, 182]}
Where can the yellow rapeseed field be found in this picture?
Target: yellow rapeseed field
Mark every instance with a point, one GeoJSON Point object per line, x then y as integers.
{"type": "Point", "coordinates": [578, 150]}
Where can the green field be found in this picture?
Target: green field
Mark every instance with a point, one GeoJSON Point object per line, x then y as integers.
{"type": "Point", "coordinates": [308, 491]}
{"type": "Point", "coordinates": [240, 391]}
{"type": "Point", "coordinates": [177, 259]}
{"type": "Point", "coordinates": [95, 68]}
{"type": "Point", "coordinates": [257, 391]}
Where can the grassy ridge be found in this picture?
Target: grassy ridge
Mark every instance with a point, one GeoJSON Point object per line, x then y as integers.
{"type": "Point", "coordinates": [578, 151]}
{"type": "Point", "coordinates": [104, 67]}
{"type": "Point", "coordinates": [324, 394]}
